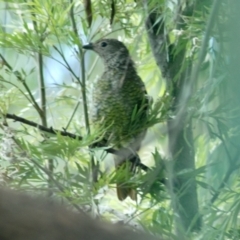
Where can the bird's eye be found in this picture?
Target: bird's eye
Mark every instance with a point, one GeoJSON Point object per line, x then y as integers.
{"type": "Point", "coordinates": [103, 44]}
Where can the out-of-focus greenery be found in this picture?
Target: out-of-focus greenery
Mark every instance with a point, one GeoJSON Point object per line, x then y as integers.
{"type": "Point", "coordinates": [48, 78]}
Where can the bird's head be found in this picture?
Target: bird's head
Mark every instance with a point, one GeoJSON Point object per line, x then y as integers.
{"type": "Point", "coordinates": [111, 51]}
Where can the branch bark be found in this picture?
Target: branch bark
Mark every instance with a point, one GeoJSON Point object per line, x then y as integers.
{"type": "Point", "coordinates": [176, 70]}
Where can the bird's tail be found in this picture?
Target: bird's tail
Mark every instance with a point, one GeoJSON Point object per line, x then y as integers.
{"type": "Point", "coordinates": [125, 169]}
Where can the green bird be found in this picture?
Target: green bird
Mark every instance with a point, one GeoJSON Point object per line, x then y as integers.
{"type": "Point", "coordinates": [120, 107]}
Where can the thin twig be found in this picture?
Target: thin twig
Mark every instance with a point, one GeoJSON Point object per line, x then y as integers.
{"type": "Point", "coordinates": [67, 65]}
{"type": "Point", "coordinates": [83, 88]}
{"type": "Point", "coordinates": [113, 12]}
{"type": "Point", "coordinates": [41, 127]}
{"type": "Point", "coordinates": [19, 77]}
{"type": "Point", "coordinates": [42, 90]}
{"type": "Point", "coordinates": [82, 62]}
{"type": "Point", "coordinates": [73, 114]}
{"type": "Point", "coordinates": [42, 87]}
{"type": "Point", "coordinates": [88, 11]}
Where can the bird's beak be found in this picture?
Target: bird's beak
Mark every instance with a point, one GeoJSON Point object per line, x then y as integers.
{"type": "Point", "coordinates": [88, 46]}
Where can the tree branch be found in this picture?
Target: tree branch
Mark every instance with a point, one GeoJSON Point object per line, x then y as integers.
{"type": "Point", "coordinates": [159, 41]}
{"type": "Point", "coordinates": [124, 152]}
{"type": "Point", "coordinates": [171, 61]}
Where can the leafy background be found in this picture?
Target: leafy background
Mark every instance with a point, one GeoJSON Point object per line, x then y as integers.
{"type": "Point", "coordinates": [46, 77]}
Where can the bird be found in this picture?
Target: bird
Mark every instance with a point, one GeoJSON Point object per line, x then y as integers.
{"type": "Point", "coordinates": [121, 107]}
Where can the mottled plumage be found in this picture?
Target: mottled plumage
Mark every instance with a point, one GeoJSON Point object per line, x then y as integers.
{"type": "Point", "coordinates": [120, 102]}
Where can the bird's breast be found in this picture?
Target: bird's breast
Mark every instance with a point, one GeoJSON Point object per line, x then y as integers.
{"type": "Point", "coordinates": [114, 104]}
